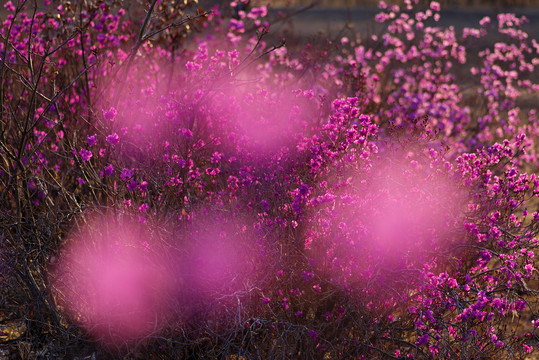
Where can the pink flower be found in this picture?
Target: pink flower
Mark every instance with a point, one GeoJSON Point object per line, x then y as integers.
{"type": "Point", "coordinates": [143, 185]}
{"type": "Point", "coordinates": [435, 6]}
{"type": "Point", "coordinates": [484, 21]}
{"type": "Point", "coordinates": [258, 12]}
{"type": "Point", "coordinates": [9, 6]}
{"type": "Point", "coordinates": [237, 25]}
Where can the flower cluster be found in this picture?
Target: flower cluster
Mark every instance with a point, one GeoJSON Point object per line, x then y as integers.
{"type": "Point", "coordinates": [198, 187]}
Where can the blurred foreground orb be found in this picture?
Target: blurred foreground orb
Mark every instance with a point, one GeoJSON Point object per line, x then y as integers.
{"type": "Point", "coordinates": [111, 279]}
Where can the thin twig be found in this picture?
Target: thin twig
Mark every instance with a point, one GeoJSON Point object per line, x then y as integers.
{"type": "Point", "coordinates": [176, 24]}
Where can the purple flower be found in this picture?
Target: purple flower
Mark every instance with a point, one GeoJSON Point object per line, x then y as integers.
{"type": "Point", "coordinates": [265, 205]}
{"type": "Point", "coordinates": [109, 170]}
{"type": "Point", "coordinates": [423, 339]}
{"type": "Point", "coordinates": [132, 185]}
{"type": "Point", "coordinates": [142, 208]}
{"type": "Point", "coordinates": [126, 174]}
{"type": "Point", "coordinates": [216, 157]}
{"type": "Point", "coordinates": [186, 133]}
{"type": "Point", "coordinates": [259, 12]}
{"type": "Point", "coordinates": [143, 185]}
{"type": "Point", "coordinates": [213, 171]}
{"type": "Point", "coordinates": [308, 276]}
{"type": "Point", "coordinates": [296, 207]}
{"type": "Point", "coordinates": [304, 189]}
{"type": "Point", "coordinates": [237, 25]}
{"type": "Point", "coordinates": [110, 114]}
{"type": "Point", "coordinates": [91, 140]}
{"type": "Point", "coordinates": [86, 155]}
{"type": "Point", "coordinates": [113, 139]}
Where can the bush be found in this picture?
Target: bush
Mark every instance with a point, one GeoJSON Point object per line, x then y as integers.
{"type": "Point", "coordinates": [186, 185]}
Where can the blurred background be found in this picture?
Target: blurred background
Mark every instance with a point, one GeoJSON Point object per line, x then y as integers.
{"type": "Point", "coordinates": [306, 19]}
{"type": "Point", "coordinates": [445, 3]}
{"type": "Point", "coordinates": [330, 17]}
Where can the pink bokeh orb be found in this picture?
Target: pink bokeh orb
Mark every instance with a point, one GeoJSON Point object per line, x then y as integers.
{"type": "Point", "coordinates": [111, 279]}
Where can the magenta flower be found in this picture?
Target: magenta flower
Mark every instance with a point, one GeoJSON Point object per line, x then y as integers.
{"type": "Point", "coordinates": [258, 12]}
{"type": "Point", "coordinates": [126, 174]}
{"type": "Point", "coordinates": [86, 155]}
{"type": "Point", "coordinates": [216, 157]}
{"type": "Point", "coordinates": [237, 25]}
{"type": "Point", "coordinates": [9, 6]}
{"type": "Point", "coordinates": [132, 185]}
{"type": "Point", "coordinates": [109, 170]}
{"type": "Point", "coordinates": [213, 171]}
{"type": "Point", "coordinates": [186, 133]}
{"type": "Point", "coordinates": [423, 339]}
{"type": "Point", "coordinates": [143, 185]}
{"type": "Point", "coordinates": [110, 114]}
{"type": "Point", "coordinates": [113, 139]}
{"type": "Point", "coordinates": [91, 140]}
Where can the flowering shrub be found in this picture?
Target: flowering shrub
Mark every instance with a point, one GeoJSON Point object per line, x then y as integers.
{"type": "Point", "coordinates": [185, 184]}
